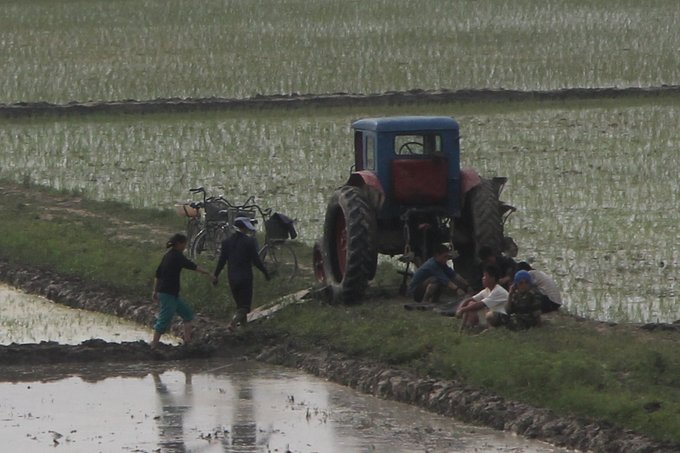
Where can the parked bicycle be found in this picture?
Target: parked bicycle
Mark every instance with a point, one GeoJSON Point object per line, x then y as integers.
{"type": "Point", "coordinates": [277, 254]}
{"type": "Point", "coordinates": [209, 223]}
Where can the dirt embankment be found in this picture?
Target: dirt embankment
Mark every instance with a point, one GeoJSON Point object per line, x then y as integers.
{"type": "Point", "coordinates": [445, 397]}
{"type": "Point", "coordinates": [131, 106]}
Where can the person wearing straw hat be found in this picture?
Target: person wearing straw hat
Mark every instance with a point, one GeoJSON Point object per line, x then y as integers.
{"type": "Point", "coordinates": [239, 253]}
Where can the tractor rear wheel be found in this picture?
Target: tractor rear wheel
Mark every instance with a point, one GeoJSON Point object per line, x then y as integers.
{"type": "Point", "coordinates": [482, 216]}
{"type": "Point", "coordinates": [349, 244]}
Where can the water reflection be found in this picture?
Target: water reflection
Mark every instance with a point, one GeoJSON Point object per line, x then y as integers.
{"type": "Point", "coordinates": [218, 407]}
{"type": "Point", "coordinates": [244, 427]}
{"type": "Point", "coordinates": [173, 407]}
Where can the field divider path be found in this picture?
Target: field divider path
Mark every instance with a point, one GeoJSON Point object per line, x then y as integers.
{"type": "Point", "coordinates": [180, 105]}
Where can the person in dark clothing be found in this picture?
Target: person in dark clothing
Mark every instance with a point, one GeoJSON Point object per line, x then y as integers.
{"type": "Point", "coordinates": [506, 265]}
{"type": "Point", "coordinates": [430, 280]}
{"type": "Point", "coordinates": [240, 252]}
{"type": "Point", "coordinates": [166, 288]}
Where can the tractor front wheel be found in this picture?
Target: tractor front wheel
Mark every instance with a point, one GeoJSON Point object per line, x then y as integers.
{"type": "Point", "coordinates": [349, 244]}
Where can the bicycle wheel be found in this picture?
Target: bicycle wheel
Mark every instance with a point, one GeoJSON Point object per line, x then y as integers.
{"type": "Point", "coordinates": [193, 228]}
{"type": "Point", "coordinates": [280, 260]}
{"type": "Point", "coordinates": [197, 245]}
{"type": "Point", "coordinates": [216, 237]}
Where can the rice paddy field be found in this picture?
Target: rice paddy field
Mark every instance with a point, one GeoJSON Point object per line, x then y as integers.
{"type": "Point", "coordinates": [82, 50]}
{"type": "Point", "coordinates": [595, 182]}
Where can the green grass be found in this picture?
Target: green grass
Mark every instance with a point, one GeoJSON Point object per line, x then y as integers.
{"type": "Point", "coordinates": [111, 244]}
{"type": "Point", "coordinates": [617, 374]}
{"type": "Point", "coordinates": [59, 51]}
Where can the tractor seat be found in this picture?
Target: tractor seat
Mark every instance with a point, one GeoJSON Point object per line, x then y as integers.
{"type": "Point", "coordinates": [420, 181]}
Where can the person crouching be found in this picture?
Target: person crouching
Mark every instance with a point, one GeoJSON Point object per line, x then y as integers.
{"type": "Point", "coordinates": [434, 276]}
{"type": "Point", "coordinates": [488, 303]}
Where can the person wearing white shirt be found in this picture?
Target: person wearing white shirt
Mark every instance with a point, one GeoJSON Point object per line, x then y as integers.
{"type": "Point", "coordinates": [486, 304]}
{"type": "Point", "coordinates": [551, 299]}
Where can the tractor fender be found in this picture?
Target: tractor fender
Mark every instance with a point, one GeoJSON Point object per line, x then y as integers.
{"type": "Point", "coordinates": [369, 182]}
{"type": "Point", "coordinates": [469, 179]}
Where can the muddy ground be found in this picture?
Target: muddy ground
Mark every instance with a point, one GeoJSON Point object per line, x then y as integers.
{"type": "Point", "coordinates": [450, 398]}
{"type": "Point", "coordinates": [131, 106]}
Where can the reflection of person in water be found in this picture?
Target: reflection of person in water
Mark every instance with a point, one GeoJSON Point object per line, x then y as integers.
{"type": "Point", "coordinates": [244, 427]}
{"type": "Point", "coordinates": [171, 420]}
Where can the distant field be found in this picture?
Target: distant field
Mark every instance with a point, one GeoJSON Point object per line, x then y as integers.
{"type": "Point", "coordinates": [595, 182]}
{"type": "Point", "coordinates": [58, 51]}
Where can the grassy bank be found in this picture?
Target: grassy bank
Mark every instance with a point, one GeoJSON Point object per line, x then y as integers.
{"type": "Point", "coordinates": [109, 243]}
{"type": "Point", "coordinates": [616, 373]}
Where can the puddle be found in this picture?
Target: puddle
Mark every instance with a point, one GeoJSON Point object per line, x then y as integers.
{"type": "Point", "coordinates": [25, 318]}
{"type": "Point", "coordinates": [213, 406]}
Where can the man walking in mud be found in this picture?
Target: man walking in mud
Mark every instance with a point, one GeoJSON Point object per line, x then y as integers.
{"type": "Point", "coordinates": [239, 252]}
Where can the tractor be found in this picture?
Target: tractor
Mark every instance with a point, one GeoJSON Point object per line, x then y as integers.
{"type": "Point", "coordinates": [406, 193]}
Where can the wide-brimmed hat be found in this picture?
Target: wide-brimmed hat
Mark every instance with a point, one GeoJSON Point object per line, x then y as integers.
{"type": "Point", "coordinates": [244, 222]}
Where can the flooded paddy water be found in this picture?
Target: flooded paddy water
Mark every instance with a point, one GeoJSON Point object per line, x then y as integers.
{"type": "Point", "coordinates": [26, 318]}
{"type": "Point", "coordinates": [200, 405]}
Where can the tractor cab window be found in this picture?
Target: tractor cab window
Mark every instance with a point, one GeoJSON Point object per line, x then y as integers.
{"type": "Point", "coordinates": [420, 144]}
{"type": "Point", "coordinates": [370, 153]}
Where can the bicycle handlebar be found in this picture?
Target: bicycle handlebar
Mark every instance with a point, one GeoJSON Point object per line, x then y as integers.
{"type": "Point", "coordinates": [248, 204]}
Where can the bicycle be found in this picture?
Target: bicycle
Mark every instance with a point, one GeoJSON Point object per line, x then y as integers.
{"type": "Point", "coordinates": [207, 224]}
{"type": "Point", "coordinates": [210, 223]}
{"type": "Point", "coordinates": [276, 254]}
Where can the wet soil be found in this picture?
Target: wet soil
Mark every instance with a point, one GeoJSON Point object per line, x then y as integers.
{"type": "Point", "coordinates": [448, 398]}
{"type": "Point", "coordinates": [131, 106]}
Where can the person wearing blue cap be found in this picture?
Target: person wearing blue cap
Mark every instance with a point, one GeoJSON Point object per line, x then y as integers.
{"type": "Point", "coordinates": [551, 298]}
{"type": "Point", "coordinates": [240, 252]}
{"type": "Point", "coordinates": [524, 304]}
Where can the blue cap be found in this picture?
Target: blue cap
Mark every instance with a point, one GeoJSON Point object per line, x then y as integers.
{"type": "Point", "coordinates": [522, 276]}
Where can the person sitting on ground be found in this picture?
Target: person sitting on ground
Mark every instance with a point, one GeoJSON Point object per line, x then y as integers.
{"type": "Point", "coordinates": [430, 279]}
{"type": "Point", "coordinates": [524, 305]}
{"type": "Point", "coordinates": [551, 298]}
{"type": "Point", "coordinates": [489, 302]}
{"type": "Point", "coordinates": [506, 265]}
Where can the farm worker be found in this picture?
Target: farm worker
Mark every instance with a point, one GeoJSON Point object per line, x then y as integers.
{"type": "Point", "coordinates": [489, 303]}
{"type": "Point", "coordinates": [506, 265]}
{"type": "Point", "coordinates": [166, 288]}
{"type": "Point", "coordinates": [551, 298]}
{"type": "Point", "coordinates": [524, 305]}
{"type": "Point", "coordinates": [240, 251]}
{"type": "Point", "coordinates": [433, 276]}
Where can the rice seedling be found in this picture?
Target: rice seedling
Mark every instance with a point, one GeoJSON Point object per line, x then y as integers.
{"type": "Point", "coordinates": [62, 51]}
{"type": "Point", "coordinates": [593, 185]}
